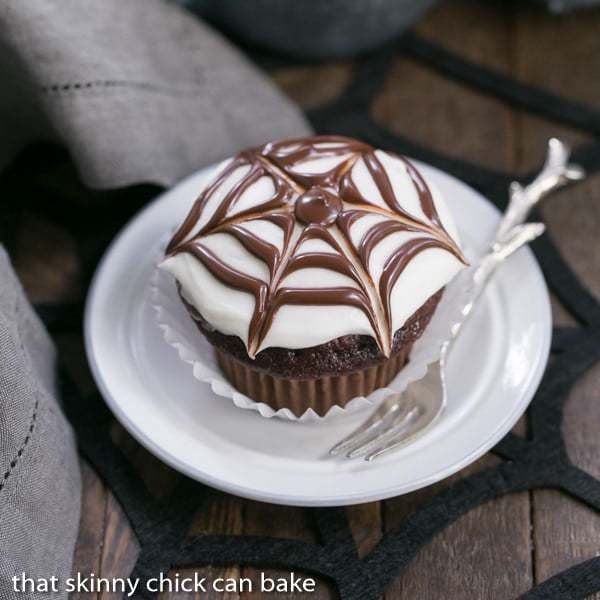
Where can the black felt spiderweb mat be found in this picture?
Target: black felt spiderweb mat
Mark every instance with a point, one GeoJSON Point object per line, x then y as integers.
{"type": "Point", "coordinates": [538, 461]}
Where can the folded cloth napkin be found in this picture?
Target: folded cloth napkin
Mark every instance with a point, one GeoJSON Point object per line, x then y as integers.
{"type": "Point", "coordinates": [138, 91]}
{"type": "Point", "coordinates": [40, 484]}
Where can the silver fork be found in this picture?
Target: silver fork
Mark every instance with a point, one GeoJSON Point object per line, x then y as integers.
{"type": "Point", "coordinates": [400, 418]}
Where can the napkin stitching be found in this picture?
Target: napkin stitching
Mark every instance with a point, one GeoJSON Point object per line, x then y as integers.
{"type": "Point", "coordinates": [163, 523]}
{"type": "Point", "coordinates": [20, 316]}
{"type": "Point", "coordinates": [57, 88]}
{"type": "Point", "coordinates": [15, 460]}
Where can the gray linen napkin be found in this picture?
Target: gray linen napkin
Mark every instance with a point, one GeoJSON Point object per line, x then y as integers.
{"type": "Point", "coordinates": [137, 90]}
{"type": "Point", "coordinates": [39, 473]}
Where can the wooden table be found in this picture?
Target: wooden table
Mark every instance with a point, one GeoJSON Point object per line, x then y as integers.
{"type": "Point", "coordinates": [501, 549]}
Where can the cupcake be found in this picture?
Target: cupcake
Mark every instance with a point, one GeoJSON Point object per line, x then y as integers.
{"type": "Point", "coordinates": [312, 265]}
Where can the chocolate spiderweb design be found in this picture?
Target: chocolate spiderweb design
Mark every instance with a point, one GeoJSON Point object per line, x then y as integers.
{"type": "Point", "coordinates": [308, 203]}
{"type": "Point", "coordinates": [540, 460]}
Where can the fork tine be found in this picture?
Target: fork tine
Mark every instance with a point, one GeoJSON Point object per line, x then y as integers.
{"type": "Point", "coordinates": [377, 422]}
{"type": "Point", "coordinates": [402, 437]}
{"type": "Point", "coordinates": [404, 421]}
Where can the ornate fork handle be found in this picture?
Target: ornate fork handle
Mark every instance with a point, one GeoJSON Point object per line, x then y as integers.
{"type": "Point", "coordinates": [517, 237]}
{"type": "Point", "coordinates": [556, 172]}
{"type": "Point", "coordinates": [399, 418]}
{"type": "Point", "coordinates": [511, 233]}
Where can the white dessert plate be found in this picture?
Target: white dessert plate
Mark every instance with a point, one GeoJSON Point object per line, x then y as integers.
{"type": "Point", "coordinates": [493, 373]}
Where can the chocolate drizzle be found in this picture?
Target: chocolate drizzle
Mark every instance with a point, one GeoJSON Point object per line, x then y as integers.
{"type": "Point", "coordinates": [307, 203]}
{"type": "Point", "coordinates": [317, 205]}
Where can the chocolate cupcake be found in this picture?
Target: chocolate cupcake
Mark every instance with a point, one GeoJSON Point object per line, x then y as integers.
{"type": "Point", "coordinates": [312, 265]}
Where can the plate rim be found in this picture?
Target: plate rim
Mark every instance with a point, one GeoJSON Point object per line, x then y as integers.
{"type": "Point", "coordinates": [281, 498]}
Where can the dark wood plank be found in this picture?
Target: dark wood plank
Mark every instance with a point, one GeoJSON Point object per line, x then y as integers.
{"type": "Point", "coordinates": [46, 261]}
{"type": "Point", "coordinates": [286, 522]}
{"type": "Point", "coordinates": [565, 531]}
{"type": "Point", "coordinates": [442, 114]}
{"type": "Point", "coordinates": [120, 548]}
{"type": "Point", "coordinates": [222, 515]}
{"type": "Point", "coordinates": [88, 551]}
{"type": "Point", "coordinates": [313, 86]}
{"type": "Point", "coordinates": [159, 478]}
{"type": "Point", "coordinates": [487, 553]}
{"type": "Point", "coordinates": [366, 524]}
{"type": "Point", "coordinates": [106, 546]}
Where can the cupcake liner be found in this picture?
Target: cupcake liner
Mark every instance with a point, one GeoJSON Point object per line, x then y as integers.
{"type": "Point", "coordinates": [317, 394]}
{"type": "Point", "coordinates": [182, 334]}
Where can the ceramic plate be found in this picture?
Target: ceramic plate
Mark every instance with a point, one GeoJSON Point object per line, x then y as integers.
{"type": "Point", "coordinates": [493, 373]}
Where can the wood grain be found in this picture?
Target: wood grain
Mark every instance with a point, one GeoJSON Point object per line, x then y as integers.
{"type": "Point", "coordinates": [47, 262]}
{"type": "Point", "coordinates": [314, 86]}
{"type": "Point", "coordinates": [286, 522]}
{"type": "Point", "coordinates": [501, 549]}
{"type": "Point", "coordinates": [565, 531]}
{"type": "Point", "coordinates": [222, 515]}
{"type": "Point", "coordinates": [120, 549]}
{"type": "Point", "coordinates": [486, 554]}
{"type": "Point", "coordinates": [445, 115]}
{"type": "Point", "coordinates": [366, 524]}
{"type": "Point", "coordinates": [106, 546]}
{"type": "Point", "coordinates": [88, 552]}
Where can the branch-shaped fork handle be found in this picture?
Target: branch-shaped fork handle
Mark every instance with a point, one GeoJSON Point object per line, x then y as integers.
{"type": "Point", "coordinates": [400, 417]}
{"type": "Point", "coordinates": [511, 233]}
{"type": "Point", "coordinates": [518, 236]}
{"type": "Point", "coordinates": [418, 406]}
{"type": "Point", "coordinates": [556, 172]}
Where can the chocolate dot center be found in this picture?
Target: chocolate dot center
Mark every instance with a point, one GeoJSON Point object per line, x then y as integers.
{"type": "Point", "coordinates": [318, 206]}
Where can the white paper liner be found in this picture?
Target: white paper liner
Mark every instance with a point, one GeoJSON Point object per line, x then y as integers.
{"type": "Point", "coordinates": [182, 333]}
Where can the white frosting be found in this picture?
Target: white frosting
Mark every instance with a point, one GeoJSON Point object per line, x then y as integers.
{"type": "Point", "coordinates": [298, 326]}
{"type": "Point", "coordinates": [293, 324]}
{"type": "Point", "coordinates": [361, 226]}
{"type": "Point", "coordinates": [418, 282]}
{"type": "Point", "coordinates": [306, 278]}
{"type": "Point", "coordinates": [225, 245]}
{"type": "Point", "coordinates": [263, 188]}
{"type": "Point", "coordinates": [443, 212]}
{"type": "Point", "coordinates": [266, 231]}
{"type": "Point", "coordinates": [386, 248]}
{"type": "Point", "coordinates": [229, 310]}
{"type": "Point", "coordinates": [319, 165]}
{"type": "Point", "coordinates": [218, 197]}
{"type": "Point", "coordinates": [402, 185]}
{"type": "Point", "coordinates": [315, 245]}
{"type": "Point", "coordinates": [365, 183]}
